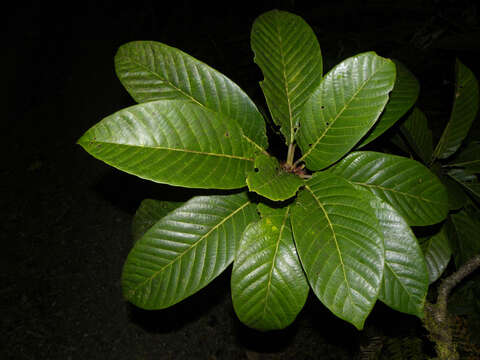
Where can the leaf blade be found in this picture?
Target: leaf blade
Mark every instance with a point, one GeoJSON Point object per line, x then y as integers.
{"type": "Point", "coordinates": [403, 96]}
{"type": "Point", "coordinates": [148, 213]}
{"type": "Point", "coordinates": [343, 108]}
{"type": "Point", "coordinates": [412, 189]}
{"type": "Point", "coordinates": [152, 71]}
{"type": "Point", "coordinates": [339, 245]}
{"type": "Point", "coordinates": [464, 110]}
{"type": "Point", "coordinates": [269, 287]}
{"type": "Point", "coordinates": [172, 142]}
{"type": "Point", "coordinates": [437, 252]}
{"type": "Point", "coordinates": [270, 180]}
{"type": "Point", "coordinates": [185, 250]}
{"type": "Point", "coordinates": [405, 276]}
{"type": "Point", "coordinates": [287, 51]}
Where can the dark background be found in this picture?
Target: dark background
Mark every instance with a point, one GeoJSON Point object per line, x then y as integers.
{"type": "Point", "coordinates": [66, 216]}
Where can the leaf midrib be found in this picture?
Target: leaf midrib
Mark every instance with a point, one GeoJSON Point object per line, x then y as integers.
{"type": "Point", "coordinates": [237, 157]}
{"type": "Point", "coordinates": [269, 282]}
{"type": "Point", "coordinates": [177, 258]}
{"type": "Point", "coordinates": [335, 241]}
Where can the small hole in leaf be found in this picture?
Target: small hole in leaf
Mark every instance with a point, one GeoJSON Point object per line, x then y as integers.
{"type": "Point", "coordinates": [309, 145]}
{"type": "Point", "coordinates": [256, 170]}
{"type": "Point", "coordinates": [327, 123]}
{"type": "Point", "coordinates": [295, 128]}
{"type": "Point", "coordinates": [322, 107]}
{"type": "Point", "coordinates": [227, 134]}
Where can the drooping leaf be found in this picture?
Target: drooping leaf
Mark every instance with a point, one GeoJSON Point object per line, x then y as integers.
{"type": "Point", "coordinates": [468, 180]}
{"type": "Point", "coordinates": [412, 189]}
{"type": "Point", "coordinates": [347, 103]}
{"type": "Point", "coordinates": [152, 71]}
{"type": "Point", "coordinates": [269, 179]}
{"type": "Point", "coordinates": [340, 246]}
{"type": "Point", "coordinates": [464, 110]}
{"type": "Point", "coordinates": [403, 96]}
{"type": "Point", "coordinates": [437, 252]}
{"type": "Point", "coordinates": [148, 213]}
{"type": "Point", "coordinates": [467, 240]}
{"type": "Point", "coordinates": [405, 277]}
{"type": "Point", "coordinates": [287, 51]}
{"type": "Point", "coordinates": [468, 158]}
{"type": "Point", "coordinates": [269, 287]}
{"type": "Point", "coordinates": [185, 250]}
{"type": "Point", "coordinates": [173, 142]}
{"type": "Point", "coordinates": [419, 136]}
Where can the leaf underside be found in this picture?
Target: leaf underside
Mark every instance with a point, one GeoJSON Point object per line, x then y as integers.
{"type": "Point", "coordinates": [412, 189]}
{"type": "Point", "coordinates": [467, 228]}
{"type": "Point", "coordinates": [152, 71]}
{"type": "Point", "coordinates": [403, 96]}
{"type": "Point", "coordinates": [185, 250]}
{"type": "Point", "coordinates": [173, 142]}
{"type": "Point", "coordinates": [468, 158]}
{"type": "Point", "coordinates": [287, 51]}
{"type": "Point", "coordinates": [270, 180]}
{"type": "Point", "coordinates": [269, 287]}
{"type": "Point", "coordinates": [339, 245]}
{"type": "Point", "coordinates": [347, 103]}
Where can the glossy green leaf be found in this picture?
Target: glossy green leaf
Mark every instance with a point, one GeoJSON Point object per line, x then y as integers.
{"type": "Point", "coordinates": [419, 136]}
{"type": "Point", "coordinates": [437, 252]}
{"type": "Point", "coordinates": [405, 277]}
{"type": "Point", "coordinates": [152, 71]}
{"type": "Point", "coordinates": [467, 241]}
{"type": "Point", "coordinates": [464, 110]}
{"type": "Point", "coordinates": [468, 158]}
{"type": "Point", "coordinates": [468, 180]}
{"type": "Point", "coordinates": [412, 189]}
{"type": "Point", "coordinates": [148, 213]}
{"type": "Point", "coordinates": [340, 246]}
{"type": "Point", "coordinates": [269, 179]}
{"type": "Point", "coordinates": [287, 51]}
{"type": "Point", "coordinates": [343, 108]}
{"type": "Point", "coordinates": [403, 96]}
{"type": "Point", "coordinates": [269, 287]}
{"type": "Point", "coordinates": [173, 142]}
{"type": "Point", "coordinates": [185, 250]}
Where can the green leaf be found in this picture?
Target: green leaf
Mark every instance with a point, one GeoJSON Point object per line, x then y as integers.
{"type": "Point", "coordinates": [437, 252]}
{"type": "Point", "coordinates": [148, 213]}
{"type": "Point", "coordinates": [412, 189]}
{"type": "Point", "coordinates": [340, 246]}
{"type": "Point", "coordinates": [403, 96]}
{"type": "Point", "coordinates": [343, 108]}
{"type": "Point", "coordinates": [456, 193]}
{"type": "Point", "coordinates": [419, 136]}
{"type": "Point", "coordinates": [464, 110]}
{"type": "Point", "coordinates": [468, 158]}
{"type": "Point", "coordinates": [185, 250]}
{"type": "Point", "coordinates": [287, 51]}
{"type": "Point", "coordinates": [269, 179]}
{"type": "Point", "coordinates": [467, 227]}
{"type": "Point", "coordinates": [405, 277]}
{"type": "Point", "coordinates": [154, 71]}
{"type": "Point", "coordinates": [468, 180]}
{"type": "Point", "coordinates": [269, 287]}
{"type": "Point", "coordinates": [173, 142]}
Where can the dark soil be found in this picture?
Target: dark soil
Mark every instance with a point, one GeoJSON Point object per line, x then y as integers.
{"type": "Point", "coordinates": [66, 216]}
